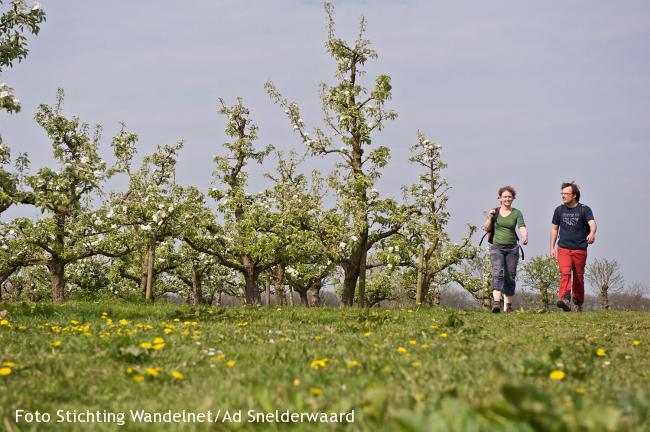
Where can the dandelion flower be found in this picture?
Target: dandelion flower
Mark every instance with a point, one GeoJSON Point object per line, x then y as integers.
{"type": "Point", "coordinates": [581, 390]}
{"type": "Point", "coordinates": [230, 363]}
{"type": "Point", "coordinates": [319, 363]}
{"type": "Point", "coordinates": [177, 375]}
{"type": "Point", "coordinates": [368, 333]}
{"type": "Point", "coordinates": [4, 322]}
{"type": "Point", "coordinates": [402, 350]}
{"type": "Point", "coordinates": [158, 346]}
{"type": "Point", "coordinates": [354, 363]}
{"type": "Point", "coordinates": [296, 382]}
{"type": "Point", "coordinates": [154, 372]}
{"type": "Point", "coordinates": [413, 342]}
{"type": "Point", "coordinates": [416, 364]}
{"type": "Point", "coordinates": [9, 364]}
{"type": "Point", "coordinates": [601, 352]}
{"type": "Point", "coordinates": [636, 342]}
{"type": "Point", "coordinates": [158, 340]}
{"type": "Point", "coordinates": [145, 345]}
{"type": "Point", "coordinates": [56, 344]}
{"type": "Point", "coordinates": [315, 391]}
{"type": "Point", "coordinates": [138, 378]}
{"type": "Point", "coordinates": [5, 371]}
{"type": "Point", "coordinates": [557, 375]}
{"type": "Point", "coordinates": [443, 335]}
{"type": "Point", "coordinates": [123, 322]}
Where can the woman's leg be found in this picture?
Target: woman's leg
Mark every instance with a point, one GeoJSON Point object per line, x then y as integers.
{"type": "Point", "coordinates": [498, 264]}
{"type": "Point", "coordinates": [510, 275]}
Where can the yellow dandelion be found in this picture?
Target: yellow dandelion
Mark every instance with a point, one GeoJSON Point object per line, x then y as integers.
{"type": "Point", "coordinates": [185, 332]}
{"type": "Point", "coordinates": [145, 345]}
{"type": "Point", "coordinates": [242, 324]}
{"type": "Point", "coordinates": [443, 335]}
{"type": "Point", "coordinates": [177, 320]}
{"type": "Point", "coordinates": [413, 342]}
{"type": "Point", "coordinates": [4, 322]}
{"type": "Point", "coordinates": [416, 364]}
{"type": "Point", "coordinates": [138, 378]}
{"type": "Point", "coordinates": [434, 326]}
{"type": "Point", "coordinates": [318, 338]}
{"type": "Point", "coordinates": [315, 391]}
{"type": "Point", "coordinates": [158, 340]}
{"type": "Point", "coordinates": [129, 370]}
{"type": "Point", "coordinates": [5, 371]}
{"type": "Point", "coordinates": [168, 330]}
{"type": "Point", "coordinates": [402, 350]}
{"type": "Point", "coordinates": [319, 363]}
{"type": "Point", "coordinates": [56, 344]}
{"type": "Point", "coordinates": [124, 322]}
{"type": "Point", "coordinates": [230, 363]}
{"type": "Point", "coordinates": [354, 363]}
{"type": "Point", "coordinates": [158, 346]}
{"type": "Point", "coordinates": [601, 352]}
{"type": "Point", "coordinates": [104, 313]}
{"type": "Point", "coordinates": [9, 364]}
{"type": "Point", "coordinates": [154, 372]}
{"type": "Point", "coordinates": [296, 382]}
{"type": "Point", "coordinates": [636, 342]}
{"type": "Point", "coordinates": [177, 375]}
{"type": "Point", "coordinates": [557, 375]}
{"type": "Point", "coordinates": [74, 322]}
{"type": "Point", "coordinates": [424, 346]}
{"type": "Point", "coordinates": [368, 333]}
{"type": "Point", "coordinates": [419, 396]}
{"type": "Point", "coordinates": [581, 390]}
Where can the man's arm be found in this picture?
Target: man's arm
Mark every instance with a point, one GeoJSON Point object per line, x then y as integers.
{"type": "Point", "coordinates": [592, 234]}
{"type": "Point", "coordinates": [554, 230]}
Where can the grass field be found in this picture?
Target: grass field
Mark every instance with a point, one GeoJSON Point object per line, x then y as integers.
{"type": "Point", "coordinates": [406, 369]}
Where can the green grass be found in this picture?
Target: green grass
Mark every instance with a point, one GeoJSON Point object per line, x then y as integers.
{"type": "Point", "coordinates": [490, 372]}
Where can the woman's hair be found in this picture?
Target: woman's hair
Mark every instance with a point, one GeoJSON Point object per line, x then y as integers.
{"type": "Point", "coordinates": [510, 189]}
{"type": "Point", "coordinates": [574, 188]}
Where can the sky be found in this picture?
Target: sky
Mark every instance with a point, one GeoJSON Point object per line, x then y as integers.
{"type": "Point", "coordinates": [529, 94]}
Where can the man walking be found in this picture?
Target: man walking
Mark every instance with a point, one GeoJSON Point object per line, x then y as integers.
{"type": "Point", "coordinates": [577, 229]}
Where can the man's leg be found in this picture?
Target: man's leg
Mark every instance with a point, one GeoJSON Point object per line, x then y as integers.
{"type": "Point", "coordinates": [579, 258]}
{"type": "Point", "coordinates": [565, 263]}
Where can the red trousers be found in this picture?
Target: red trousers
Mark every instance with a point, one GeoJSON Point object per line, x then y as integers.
{"type": "Point", "coordinates": [572, 263]}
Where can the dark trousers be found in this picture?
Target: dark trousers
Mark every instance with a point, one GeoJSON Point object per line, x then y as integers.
{"type": "Point", "coordinates": [504, 267]}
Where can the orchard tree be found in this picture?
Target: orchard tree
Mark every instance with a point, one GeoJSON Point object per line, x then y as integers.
{"type": "Point", "coordinates": [605, 275]}
{"type": "Point", "coordinates": [475, 277]}
{"type": "Point", "coordinates": [435, 251]}
{"type": "Point", "coordinates": [542, 274]}
{"type": "Point", "coordinates": [17, 20]}
{"type": "Point", "coordinates": [155, 209]}
{"type": "Point", "coordinates": [71, 230]}
{"type": "Point", "coordinates": [352, 114]}
{"type": "Point", "coordinates": [247, 239]}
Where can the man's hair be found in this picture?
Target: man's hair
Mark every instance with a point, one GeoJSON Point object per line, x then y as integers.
{"type": "Point", "coordinates": [510, 189]}
{"type": "Point", "coordinates": [574, 188]}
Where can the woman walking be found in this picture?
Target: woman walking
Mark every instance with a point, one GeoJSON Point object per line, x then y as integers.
{"type": "Point", "coordinates": [504, 252]}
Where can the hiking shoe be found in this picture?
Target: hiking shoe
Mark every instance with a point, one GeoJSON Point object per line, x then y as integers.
{"type": "Point", "coordinates": [509, 307]}
{"type": "Point", "coordinates": [496, 306]}
{"type": "Point", "coordinates": [564, 305]}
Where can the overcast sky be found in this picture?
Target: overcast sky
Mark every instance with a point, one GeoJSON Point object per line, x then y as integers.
{"type": "Point", "coordinates": [524, 93]}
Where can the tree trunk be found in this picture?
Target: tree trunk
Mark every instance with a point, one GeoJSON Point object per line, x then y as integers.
{"type": "Point", "coordinates": [290, 296]}
{"type": "Point", "coordinates": [267, 290]}
{"type": "Point", "coordinates": [151, 256]}
{"type": "Point", "coordinates": [419, 286]}
{"type": "Point", "coordinates": [143, 274]}
{"type": "Point", "coordinates": [362, 277]}
{"type": "Point", "coordinates": [604, 297]}
{"type": "Point", "coordinates": [315, 296]}
{"type": "Point", "coordinates": [303, 297]}
{"type": "Point", "coordinates": [197, 289]}
{"type": "Point", "coordinates": [250, 277]}
{"type": "Point", "coordinates": [436, 299]}
{"type": "Point", "coordinates": [57, 276]}
{"type": "Point", "coordinates": [217, 300]}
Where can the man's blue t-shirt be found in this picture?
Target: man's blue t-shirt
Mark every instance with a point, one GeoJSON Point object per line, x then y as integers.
{"type": "Point", "coordinates": [574, 228]}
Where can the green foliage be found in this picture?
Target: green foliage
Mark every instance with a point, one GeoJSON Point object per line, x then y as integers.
{"type": "Point", "coordinates": [543, 275]}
